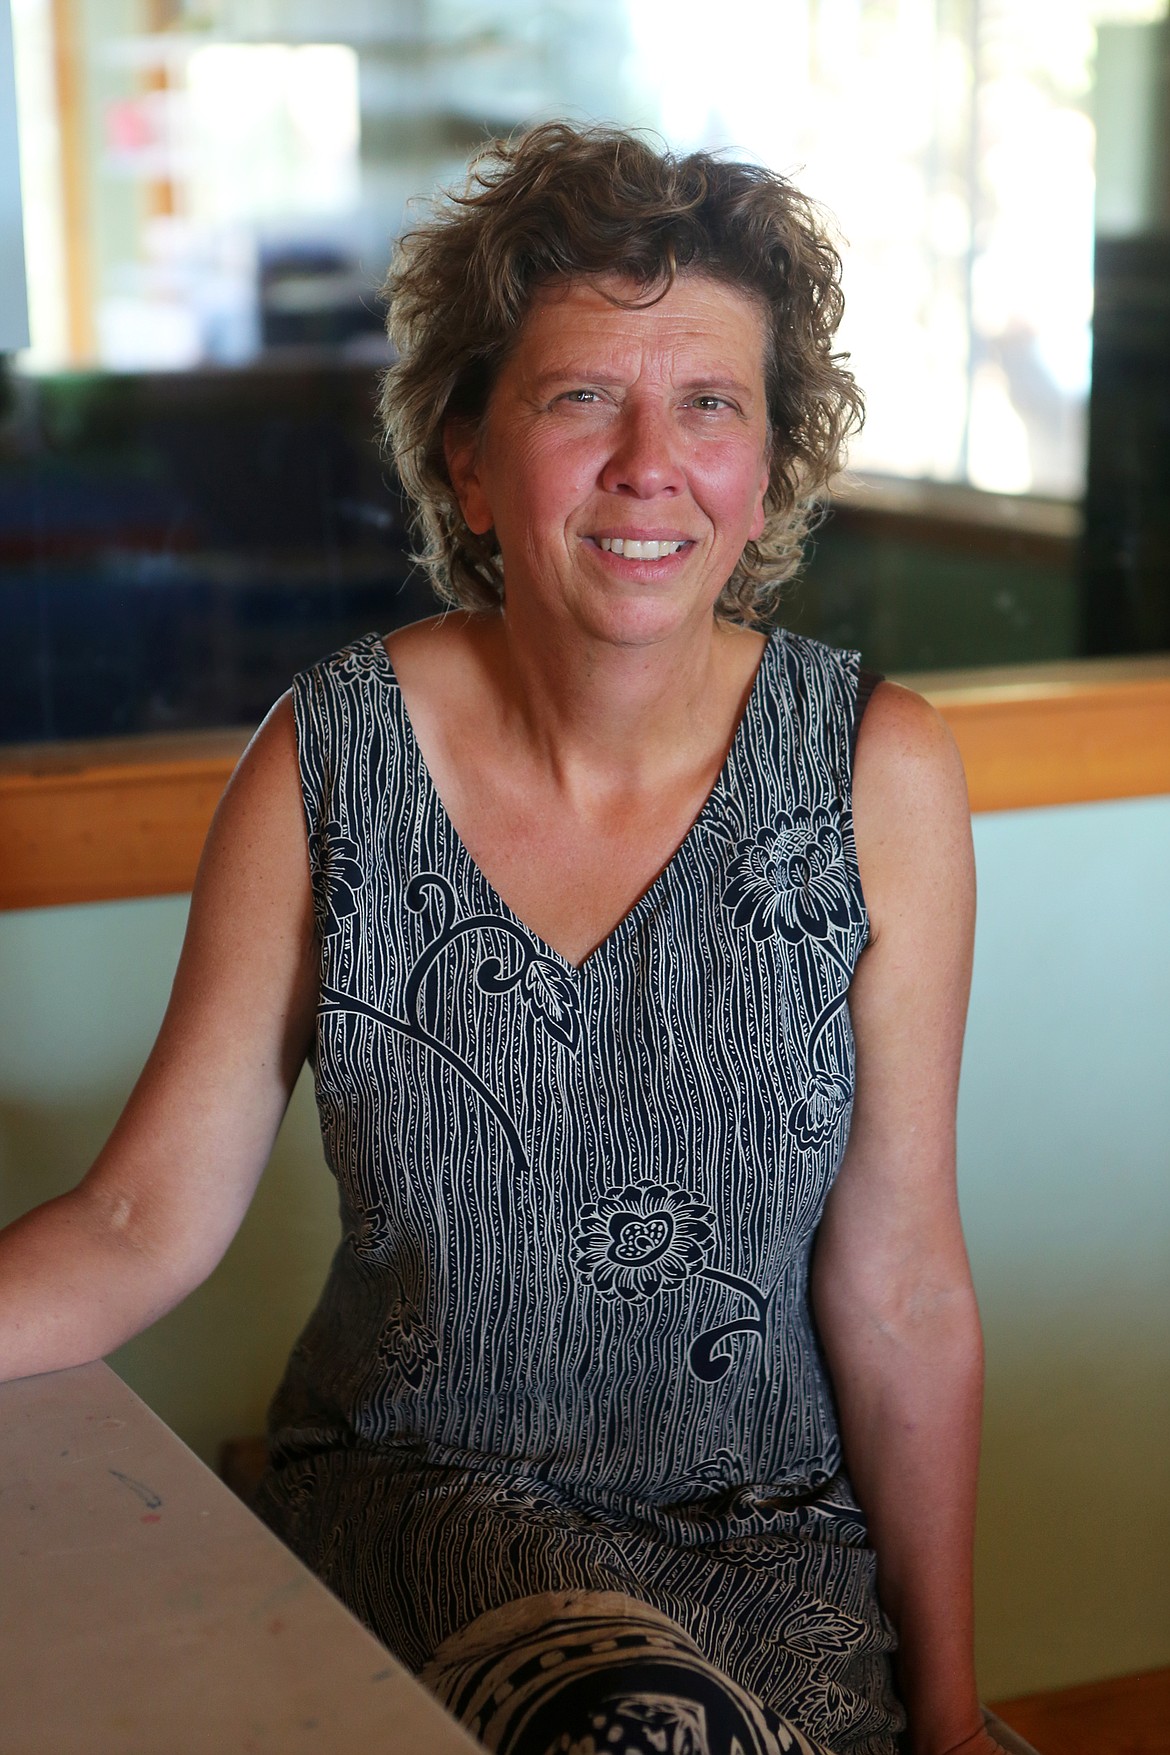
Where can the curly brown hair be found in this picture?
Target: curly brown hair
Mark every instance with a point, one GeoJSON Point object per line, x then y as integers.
{"type": "Point", "coordinates": [560, 202]}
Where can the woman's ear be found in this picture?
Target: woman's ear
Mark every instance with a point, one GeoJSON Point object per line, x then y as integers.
{"type": "Point", "coordinates": [461, 450]}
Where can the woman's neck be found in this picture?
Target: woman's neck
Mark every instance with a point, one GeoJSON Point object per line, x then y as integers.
{"type": "Point", "coordinates": [590, 710]}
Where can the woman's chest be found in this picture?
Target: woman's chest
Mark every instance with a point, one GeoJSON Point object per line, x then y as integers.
{"type": "Point", "coordinates": [572, 875]}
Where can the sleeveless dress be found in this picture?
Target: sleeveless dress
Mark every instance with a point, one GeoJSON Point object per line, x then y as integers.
{"type": "Point", "coordinates": [564, 1368]}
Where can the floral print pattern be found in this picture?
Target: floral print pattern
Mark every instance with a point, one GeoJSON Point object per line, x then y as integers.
{"type": "Point", "coordinates": [641, 1239]}
{"type": "Point", "coordinates": [368, 1231]}
{"type": "Point", "coordinates": [624, 1127]}
{"type": "Point", "coordinates": [820, 1628]}
{"type": "Point", "coordinates": [363, 663]}
{"type": "Point", "coordinates": [335, 860]}
{"type": "Point", "coordinates": [824, 1707]}
{"type": "Point", "coordinates": [815, 1115]}
{"type": "Point", "coordinates": [535, 1502]}
{"type": "Point", "coordinates": [407, 1344]}
{"type": "Point", "coordinates": [719, 1473]}
{"type": "Point", "coordinates": [791, 879]}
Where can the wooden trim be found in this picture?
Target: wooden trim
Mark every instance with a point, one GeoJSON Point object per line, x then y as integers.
{"type": "Point", "coordinates": [1059, 734]}
{"type": "Point", "coordinates": [93, 822]}
{"type": "Point", "coordinates": [97, 821]}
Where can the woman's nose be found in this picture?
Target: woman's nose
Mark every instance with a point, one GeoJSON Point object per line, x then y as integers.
{"type": "Point", "coordinates": [644, 458]}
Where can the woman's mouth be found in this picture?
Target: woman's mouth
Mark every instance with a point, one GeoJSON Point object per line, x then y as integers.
{"type": "Point", "coordinates": [639, 549]}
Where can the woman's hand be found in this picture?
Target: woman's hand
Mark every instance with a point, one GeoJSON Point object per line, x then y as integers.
{"type": "Point", "coordinates": [81, 1274]}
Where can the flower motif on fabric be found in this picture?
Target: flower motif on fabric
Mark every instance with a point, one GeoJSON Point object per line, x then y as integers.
{"type": "Point", "coordinates": [713, 1474]}
{"type": "Point", "coordinates": [649, 1237]}
{"type": "Point", "coordinates": [823, 1706]}
{"type": "Point", "coordinates": [552, 997]}
{"type": "Point", "coordinates": [533, 1502]}
{"type": "Point", "coordinates": [509, 963]}
{"type": "Point", "coordinates": [407, 1343]}
{"type": "Point", "coordinates": [641, 1239]}
{"type": "Point", "coordinates": [369, 1231]}
{"type": "Point", "coordinates": [300, 1490]}
{"type": "Point", "coordinates": [815, 1115]}
{"type": "Point", "coordinates": [362, 663]}
{"type": "Point", "coordinates": [335, 859]}
{"type": "Point", "coordinates": [790, 878]}
{"type": "Point", "coordinates": [779, 1561]}
{"type": "Point", "coordinates": [720, 1481]}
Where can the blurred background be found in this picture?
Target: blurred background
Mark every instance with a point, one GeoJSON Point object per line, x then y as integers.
{"type": "Point", "coordinates": [192, 502]}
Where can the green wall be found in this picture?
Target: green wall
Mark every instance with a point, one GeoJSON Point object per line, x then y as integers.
{"type": "Point", "coordinates": [1065, 1180]}
{"type": "Point", "coordinates": [1065, 1168]}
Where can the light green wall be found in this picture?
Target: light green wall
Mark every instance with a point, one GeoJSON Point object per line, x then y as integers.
{"type": "Point", "coordinates": [1065, 1182]}
{"type": "Point", "coordinates": [1065, 1172]}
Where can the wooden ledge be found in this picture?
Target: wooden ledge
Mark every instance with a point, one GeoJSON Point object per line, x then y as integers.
{"type": "Point", "coordinates": [1126, 1715]}
{"type": "Point", "coordinates": [96, 822]}
{"type": "Point", "coordinates": [93, 822]}
{"type": "Point", "coordinates": [1070, 733]}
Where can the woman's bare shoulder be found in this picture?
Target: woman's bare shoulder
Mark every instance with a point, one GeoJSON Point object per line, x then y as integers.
{"type": "Point", "coordinates": [263, 796]}
{"type": "Point", "coordinates": [906, 758]}
{"type": "Point", "coordinates": [438, 644]}
{"type": "Point", "coordinates": [910, 808]}
{"type": "Point", "coordinates": [447, 668]}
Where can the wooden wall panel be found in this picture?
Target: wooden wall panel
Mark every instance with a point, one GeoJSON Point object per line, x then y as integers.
{"type": "Point", "coordinates": [91, 822]}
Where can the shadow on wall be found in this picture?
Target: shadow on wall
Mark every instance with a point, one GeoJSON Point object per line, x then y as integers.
{"type": "Point", "coordinates": [1074, 1501]}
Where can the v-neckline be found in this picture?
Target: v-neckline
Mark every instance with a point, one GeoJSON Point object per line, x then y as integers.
{"type": "Point", "coordinates": [618, 929]}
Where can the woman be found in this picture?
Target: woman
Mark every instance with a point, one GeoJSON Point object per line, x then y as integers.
{"type": "Point", "coordinates": [632, 960]}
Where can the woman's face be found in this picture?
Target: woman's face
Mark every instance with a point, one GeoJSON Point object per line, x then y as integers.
{"type": "Point", "coordinates": [623, 458]}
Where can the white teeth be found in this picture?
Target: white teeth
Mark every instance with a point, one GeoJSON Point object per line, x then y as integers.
{"type": "Point", "coordinates": [637, 551]}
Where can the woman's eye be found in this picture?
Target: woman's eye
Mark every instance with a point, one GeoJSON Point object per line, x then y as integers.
{"type": "Point", "coordinates": [582, 398]}
{"type": "Point", "coordinates": [709, 404]}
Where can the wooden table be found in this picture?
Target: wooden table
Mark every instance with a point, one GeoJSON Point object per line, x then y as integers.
{"type": "Point", "coordinates": [145, 1611]}
{"type": "Point", "coordinates": [1126, 1715]}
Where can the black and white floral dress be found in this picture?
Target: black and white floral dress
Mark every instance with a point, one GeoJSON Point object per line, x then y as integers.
{"type": "Point", "coordinates": [559, 1429]}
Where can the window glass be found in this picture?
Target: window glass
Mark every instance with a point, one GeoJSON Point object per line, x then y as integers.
{"type": "Point", "coordinates": [211, 189]}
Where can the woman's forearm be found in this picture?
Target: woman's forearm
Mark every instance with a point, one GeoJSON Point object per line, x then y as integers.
{"type": "Point", "coordinates": [909, 1389]}
{"type": "Point", "coordinates": [76, 1280]}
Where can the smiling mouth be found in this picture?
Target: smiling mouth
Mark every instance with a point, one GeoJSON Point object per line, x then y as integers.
{"type": "Point", "coordinates": [636, 550]}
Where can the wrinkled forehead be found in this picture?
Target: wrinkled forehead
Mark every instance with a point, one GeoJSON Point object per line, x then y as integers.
{"type": "Point", "coordinates": [721, 323]}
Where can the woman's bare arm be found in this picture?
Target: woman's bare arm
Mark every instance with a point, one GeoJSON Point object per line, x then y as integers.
{"type": "Point", "coordinates": [83, 1273]}
{"type": "Point", "coordinates": [891, 1285]}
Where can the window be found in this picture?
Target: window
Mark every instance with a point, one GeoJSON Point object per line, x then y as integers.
{"type": "Point", "coordinates": [211, 187]}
